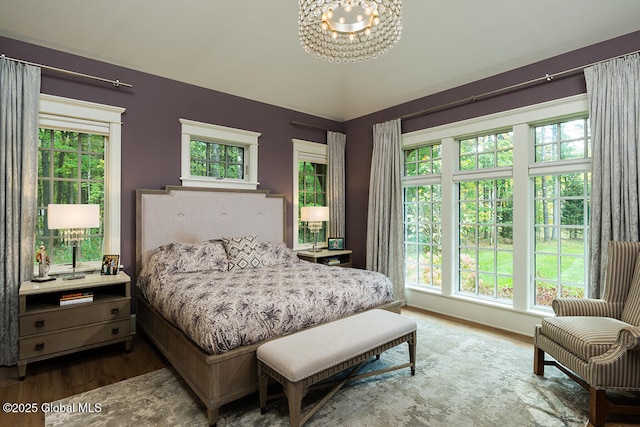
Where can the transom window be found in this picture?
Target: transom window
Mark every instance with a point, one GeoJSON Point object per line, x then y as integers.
{"type": "Point", "coordinates": [486, 151]}
{"type": "Point", "coordinates": [217, 160]}
{"type": "Point", "coordinates": [218, 156]}
{"type": "Point", "coordinates": [423, 160]}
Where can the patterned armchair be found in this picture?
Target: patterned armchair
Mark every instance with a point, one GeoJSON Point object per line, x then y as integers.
{"type": "Point", "coordinates": [597, 341]}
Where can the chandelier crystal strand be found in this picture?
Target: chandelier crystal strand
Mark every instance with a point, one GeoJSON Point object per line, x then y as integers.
{"type": "Point", "coordinates": [347, 31]}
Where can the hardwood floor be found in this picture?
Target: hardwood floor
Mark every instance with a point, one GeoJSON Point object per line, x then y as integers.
{"type": "Point", "coordinates": [54, 379]}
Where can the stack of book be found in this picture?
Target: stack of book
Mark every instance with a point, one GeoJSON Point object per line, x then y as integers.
{"type": "Point", "coordinates": [75, 298]}
{"type": "Point", "coordinates": [333, 261]}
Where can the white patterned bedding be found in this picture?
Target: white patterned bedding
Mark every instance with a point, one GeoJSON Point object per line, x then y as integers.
{"type": "Point", "coordinates": [221, 309]}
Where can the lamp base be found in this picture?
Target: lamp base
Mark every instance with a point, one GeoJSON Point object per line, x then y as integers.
{"type": "Point", "coordinates": [74, 276]}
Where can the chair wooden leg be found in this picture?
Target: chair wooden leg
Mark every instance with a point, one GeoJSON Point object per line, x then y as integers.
{"type": "Point", "coordinates": [538, 361]}
{"type": "Point", "coordinates": [597, 407]}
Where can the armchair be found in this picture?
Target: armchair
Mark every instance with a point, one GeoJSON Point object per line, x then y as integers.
{"type": "Point", "coordinates": [596, 342]}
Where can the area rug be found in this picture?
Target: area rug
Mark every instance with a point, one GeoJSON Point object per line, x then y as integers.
{"type": "Point", "coordinates": [463, 378]}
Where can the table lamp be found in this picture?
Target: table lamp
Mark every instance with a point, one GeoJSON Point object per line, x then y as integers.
{"type": "Point", "coordinates": [74, 220]}
{"type": "Point", "coordinates": [314, 216]}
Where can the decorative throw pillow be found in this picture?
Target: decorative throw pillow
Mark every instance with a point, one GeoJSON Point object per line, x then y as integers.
{"type": "Point", "coordinates": [241, 252]}
{"type": "Point", "coordinates": [275, 253]}
{"type": "Point", "coordinates": [209, 255]}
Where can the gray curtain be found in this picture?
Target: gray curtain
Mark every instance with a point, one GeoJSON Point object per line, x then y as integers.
{"type": "Point", "coordinates": [19, 93]}
{"type": "Point", "coordinates": [613, 88]}
{"type": "Point", "coordinates": [336, 142]}
{"type": "Point", "coordinates": [385, 252]}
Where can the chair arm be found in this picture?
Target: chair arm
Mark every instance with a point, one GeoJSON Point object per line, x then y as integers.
{"type": "Point", "coordinates": [617, 367]}
{"type": "Point", "coordinates": [585, 307]}
{"type": "Point", "coordinates": [629, 338]}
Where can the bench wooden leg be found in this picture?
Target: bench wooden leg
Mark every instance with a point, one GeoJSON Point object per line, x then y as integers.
{"type": "Point", "coordinates": [263, 380]}
{"type": "Point", "coordinates": [412, 353]}
{"type": "Point", "coordinates": [295, 392]}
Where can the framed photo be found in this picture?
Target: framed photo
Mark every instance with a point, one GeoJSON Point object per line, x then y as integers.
{"type": "Point", "coordinates": [335, 244]}
{"type": "Point", "coordinates": [110, 264]}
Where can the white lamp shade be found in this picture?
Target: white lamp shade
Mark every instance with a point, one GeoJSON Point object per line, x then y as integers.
{"type": "Point", "coordinates": [73, 216]}
{"type": "Point", "coordinates": [314, 213]}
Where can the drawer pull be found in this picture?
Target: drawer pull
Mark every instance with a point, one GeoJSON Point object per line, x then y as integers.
{"type": "Point", "coordinates": [115, 310]}
{"type": "Point", "coordinates": [115, 331]}
{"type": "Point", "coordinates": [39, 323]}
{"type": "Point", "coordinates": [40, 346]}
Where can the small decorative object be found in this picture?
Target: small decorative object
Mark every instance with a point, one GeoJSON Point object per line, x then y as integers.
{"type": "Point", "coordinates": [110, 264]}
{"type": "Point", "coordinates": [44, 263]}
{"type": "Point", "coordinates": [336, 243]}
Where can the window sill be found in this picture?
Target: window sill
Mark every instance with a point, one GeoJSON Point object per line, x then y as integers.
{"type": "Point", "coordinates": [63, 269]}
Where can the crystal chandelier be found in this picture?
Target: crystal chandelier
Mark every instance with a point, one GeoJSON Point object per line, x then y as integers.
{"type": "Point", "coordinates": [349, 30]}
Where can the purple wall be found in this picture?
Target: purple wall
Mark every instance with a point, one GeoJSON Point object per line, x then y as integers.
{"type": "Point", "coordinates": [360, 131]}
{"type": "Point", "coordinates": [151, 131]}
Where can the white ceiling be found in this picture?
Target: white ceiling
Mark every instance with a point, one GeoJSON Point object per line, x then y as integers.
{"type": "Point", "coordinates": [250, 48]}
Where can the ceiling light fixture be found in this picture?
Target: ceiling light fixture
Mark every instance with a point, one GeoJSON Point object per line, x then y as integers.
{"type": "Point", "coordinates": [349, 30]}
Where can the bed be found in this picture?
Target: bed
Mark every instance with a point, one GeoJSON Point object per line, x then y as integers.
{"type": "Point", "coordinates": [220, 366]}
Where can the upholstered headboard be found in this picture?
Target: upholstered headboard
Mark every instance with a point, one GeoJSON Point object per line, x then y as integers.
{"type": "Point", "coordinates": [189, 214]}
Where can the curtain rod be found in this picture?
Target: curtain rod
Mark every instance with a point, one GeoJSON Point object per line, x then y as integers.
{"type": "Point", "coordinates": [294, 123]}
{"type": "Point", "coordinates": [473, 98]}
{"type": "Point", "coordinates": [116, 83]}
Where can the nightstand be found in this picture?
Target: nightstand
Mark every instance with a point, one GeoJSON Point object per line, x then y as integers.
{"type": "Point", "coordinates": [49, 328]}
{"type": "Point", "coordinates": [340, 258]}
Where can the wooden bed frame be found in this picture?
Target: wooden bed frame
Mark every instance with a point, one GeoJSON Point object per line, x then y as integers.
{"type": "Point", "coordinates": [187, 214]}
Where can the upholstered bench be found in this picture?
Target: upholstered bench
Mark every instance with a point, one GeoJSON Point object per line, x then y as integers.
{"type": "Point", "coordinates": [305, 358]}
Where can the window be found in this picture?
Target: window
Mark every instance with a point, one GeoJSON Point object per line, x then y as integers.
{"type": "Point", "coordinates": [309, 188]}
{"type": "Point", "coordinates": [423, 216]}
{"type": "Point", "coordinates": [485, 236]}
{"type": "Point", "coordinates": [79, 162]}
{"type": "Point", "coordinates": [70, 170]}
{"type": "Point", "coordinates": [218, 156]}
{"type": "Point", "coordinates": [485, 217]}
{"type": "Point", "coordinates": [217, 160]}
{"type": "Point", "coordinates": [562, 191]}
{"type": "Point", "coordinates": [496, 210]}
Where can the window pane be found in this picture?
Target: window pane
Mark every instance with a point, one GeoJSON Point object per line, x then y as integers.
{"type": "Point", "coordinates": [485, 238]}
{"type": "Point", "coordinates": [561, 230]}
{"type": "Point", "coordinates": [486, 151]}
{"type": "Point", "coordinates": [422, 161]}
{"type": "Point", "coordinates": [563, 140]}
{"type": "Point", "coordinates": [70, 170]}
{"type": "Point", "coordinates": [423, 235]}
{"type": "Point", "coordinates": [216, 160]}
{"type": "Point", "coordinates": [312, 178]}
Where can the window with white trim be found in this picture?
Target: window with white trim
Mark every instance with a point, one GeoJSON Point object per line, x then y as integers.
{"type": "Point", "coordinates": [218, 156]}
{"type": "Point", "coordinates": [79, 156]}
{"type": "Point", "coordinates": [485, 216]}
{"type": "Point", "coordinates": [309, 189]}
{"type": "Point", "coordinates": [562, 185]}
{"type": "Point", "coordinates": [512, 193]}
{"type": "Point", "coordinates": [423, 216]}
